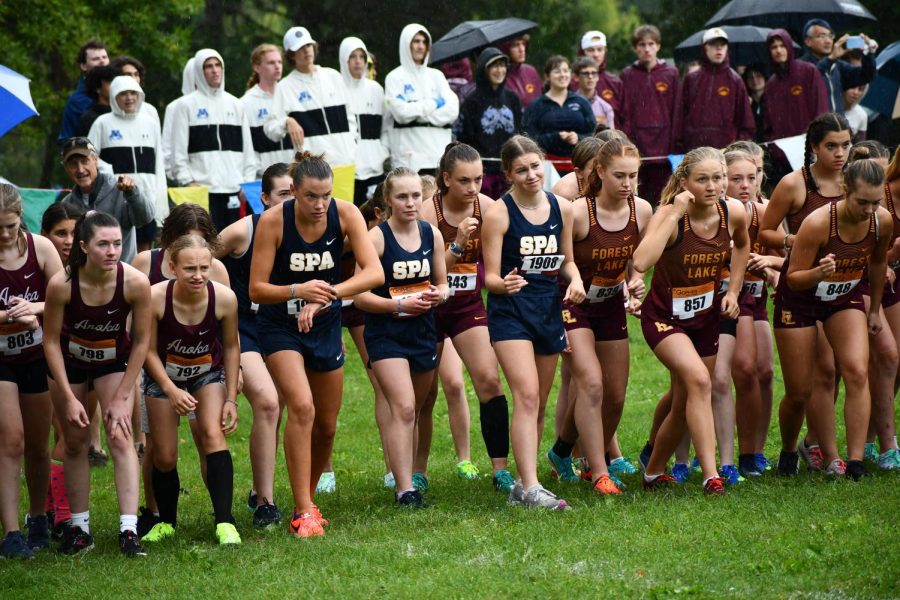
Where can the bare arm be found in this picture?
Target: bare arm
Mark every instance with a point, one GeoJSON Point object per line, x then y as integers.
{"type": "Point", "coordinates": [226, 307]}
{"type": "Point", "coordinates": [782, 203]}
{"type": "Point", "coordinates": [661, 231]}
{"type": "Point", "coordinates": [569, 270]}
{"type": "Point", "coordinates": [58, 294]}
{"type": "Point", "coordinates": [802, 273]}
{"type": "Point", "coordinates": [494, 227]}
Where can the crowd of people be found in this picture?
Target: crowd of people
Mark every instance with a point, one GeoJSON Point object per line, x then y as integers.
{"type": "Point", "coordinates": [94, 316]}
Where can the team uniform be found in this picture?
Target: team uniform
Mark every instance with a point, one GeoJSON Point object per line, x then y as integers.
{"type": "Point", "coordinates": [683, 289]}
{"type": "Point", "coordinates": [840, 291]}
{"type": "Point", "coordinates": [238, 268]}
{"type": "Point", "coordinates": [402, 335]}
{"type": "Point", "coordinates": [21, 350]}
{"type": "Point", "coordinates": [298, 261]}
{"type": "Point", "coordinates": [891, 295]}
{"type": "Point", "coordinates": [754, 294]}
{"type": "Point", "coordinates": [464, 308]}
{"type": "Point", "coordinates": [535, 312]}
{"type": "Point", "coordinates": [813, 201]}
{"type": "Point", "coordinates": [602, 259]}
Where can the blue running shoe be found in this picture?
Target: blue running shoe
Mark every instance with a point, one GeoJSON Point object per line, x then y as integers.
{"type": "Point", "coordinates": [871, 453]}
{"type": "Point", "coordinates": [562, 466]}
{"type": "Point", "coordinates": [622, 466]}
{"type": "Point", "coordinates": [420, 482]}
{"type": "Point", "coordinates": [14, 546]}
{"type": "Point", "coordinates": [762, 463]}
{"type": "Point", "coordinates": [695, 466]}
{"type": "Point", "coordinates": [503, 481]}
{"type": "Point", "coordinates": [616, 480]}
{"type": "Point", "coordinates": [681, 472]}
{"type": "Point", "coordinates": [731, 475]}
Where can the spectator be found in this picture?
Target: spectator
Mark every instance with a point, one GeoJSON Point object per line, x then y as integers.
{"type": "Point", "coordinates": [259, 104]}
{"type": "Point", "coordinates": [828, 56]}
{"type": "Point", "coordinates": [609, 87]}
{"type": "Point", "coordinates": [96, 82]}
{"type": "Point", "coordinates": [422, 104]}
{"type": "Point", "coordinates": [128, 65]}
{"type": "Point", "coordinates": [211, 142]}
{"type": "Point", "coordinates": [522, 79]}
{"type": "Point", "coordinates": [559, 118]}
{"type": "Point", "coordinates": [187, 86]}
{"type": "Point", "coordinates": [585, 80]}
{"type": "Point", "coordinates": [373, 119]}
{"type": "Point", "coordinates": [490, 115]}
{"type": "Point", "coordinates": [129, 140]}
{"type": "Point", "coordinates": [459, 77]}
{"type": "Point", "coordinates": [650, 109]}
{"type": "Point", "coordinates": [715, 105]}
{"type": "Point", "coordinates": [117, 195]}
{"type": "Point", "coordinates": [856, 114]}
{"type": "Point", "coordinates": [755, 81]}
{"type": "Point", "coordinates": [91, 54]}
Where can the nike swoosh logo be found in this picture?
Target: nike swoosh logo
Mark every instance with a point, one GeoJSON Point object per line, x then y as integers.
{"type": "Point", "coordinates": [554, 226]}
{"type": "Point", "coordinates": [110, 312]}
{"type": "Point", "coordinates": [426, 252]}
{"type": "Point", "coordinates": [434, 357]}
{"type": "Point", "coordinates": [626, 238]}
{"type": "Point", "coordinates": [29, 276]}
{"type": "Point", "coordinates": [562, 337]}
{"type": "Point", "coordinates": [330, 242]}
{"type": "Point", "coordinates": [479, 318]}
{"type": "Point", "coordinates": [204, 332]}
{"type": "Point", "coordinates": [339, 356]}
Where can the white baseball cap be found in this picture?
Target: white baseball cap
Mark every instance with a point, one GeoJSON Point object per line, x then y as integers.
{"type": "Point", "coordinates": [716, 33]}
{"type": "Point", "coordinates": [593, 39]}
{"type": "Point", "coordinates": [296, 38]}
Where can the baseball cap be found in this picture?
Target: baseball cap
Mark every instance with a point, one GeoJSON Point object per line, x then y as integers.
{"type": "Point", "coordinates": [819, 22]}
{"type": "Point", "coordinates": [593, 39]}
{"type": "Point", "coordinates": [296, 38]}
{"type": "Point", "coordinates": [80, 146]}
{"type": "Point", "coordinates": [716, 33]}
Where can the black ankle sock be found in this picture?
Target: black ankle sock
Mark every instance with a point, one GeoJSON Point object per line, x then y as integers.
{"type": "Point", "coordinates": [607, 458]}
{"type": "Point", "coordinates": [495, 426]}
{"type": "Point", "coordinates": [747, 462]}
{"type": "Point", "coordinates": [166, 486]}
{"type": "Point", "coordinates": [647, 450]}
{"type": "Point", "coordinates": [562, 448]}
{"type": "Point", "coordinates": [220, 481]}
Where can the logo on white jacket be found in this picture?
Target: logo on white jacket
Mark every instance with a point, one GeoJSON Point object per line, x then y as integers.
{"type": "Point", "coordinates": [202, 113]}
{"type": "Point", "coordinates": [304, 96]}
{"type": "Point", "coordinates": [115, 134]}
{"type": "Point", "coordinates": [498, 119]}
{"type": "Point", "coordinates": [408, 89]}
{"type": "Point", "coordinates": [262, 114]}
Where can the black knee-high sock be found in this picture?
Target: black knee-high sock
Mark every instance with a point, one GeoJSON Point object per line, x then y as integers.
{"type": "Point", "coordinates": [495, 426]}
{"type": "Point", "coordinates": [562, 448]}
{"type": "Point", "coordinates": [166, 486]}
{"type": "Point", "coordinates": [220, 481]}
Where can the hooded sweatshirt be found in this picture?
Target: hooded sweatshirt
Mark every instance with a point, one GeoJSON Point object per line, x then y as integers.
{"type": "Point", "coordinates": [132, 144]}
{"type": "Point", "coordinates": [795, 94]}
{"type": "Point", "coordinates": [373, 120]}
{"type": "Point", "coordinates": [423, 107]}
{"type": "Point", "coordinates": [650, 109]}
{"type": "Point", "coordinates": [522, 79]}
{"type": "Point", "coordinates": [489, 116]}
{"type": "Point", "coordinates": [211, 141]}
{"type": "Point", "coordinates": [187, 86]}
{"type": "Point", "coordinates": [258, 105]}
{"type": "Point", "coordinates": [715, 107]}
{"type": "Point", "coordinates": [319, 102]}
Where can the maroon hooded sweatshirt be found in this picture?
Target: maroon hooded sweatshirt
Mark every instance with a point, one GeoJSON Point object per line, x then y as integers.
{"type": "Point", "coordinates": [523, 79]}
{"type": "Point", "coordinates": [715, 108]}
{"type": "Point", "coordinates": [795, 94]}
{"type": "Point", "coordinates": [609, 87]}
{"type": "Point", "coordinates": [649, 112]}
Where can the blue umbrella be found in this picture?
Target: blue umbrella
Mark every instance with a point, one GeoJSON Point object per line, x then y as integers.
{"type": "Point", "coordinates": [15, 100]}
{"type": "Point", "coordinates": [884, 91]}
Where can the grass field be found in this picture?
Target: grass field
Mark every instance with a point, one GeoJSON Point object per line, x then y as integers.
{"type": "Point", "coordinates": [804, 538]}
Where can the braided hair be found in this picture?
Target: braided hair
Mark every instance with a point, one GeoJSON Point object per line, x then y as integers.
{"type": "Point", "coordinates": [818, 128]}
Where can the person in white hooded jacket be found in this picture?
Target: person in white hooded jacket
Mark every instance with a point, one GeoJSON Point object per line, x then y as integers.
{"type": "Point", "coordinates": [312, 105]}
{"type": "Point", "coordinates": [259, 103]}
{"type": "Point", "coordinates": [373, 120]}
{"type": "Point", "coordinates": [422, 104]}
{"type": "Point", "coordinates": [129, 140]}
{"type": "Point", "coordinates": [187, 86]}
{"type": "Point", "coordinates": [211, 142]}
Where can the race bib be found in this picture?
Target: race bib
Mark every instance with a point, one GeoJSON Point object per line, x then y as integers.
{"type": "Point", "coordinates": [602, 289]}
{"type": "Point", "coordinates": [16, 337]}
{"type": "Point", "coordinates": [754, 285]}
{"type": "Point", "coordinates": [92, 351]}
{"type": "Point", "coordinates": [254, 307]}
{"type": "Point", "coordinates": [294, 306]}
{"type": "Point", "coordinates": [693, 301]}
{"type": "Point", "coordinates": [180, 369]}
{"type": "Point", "coordinates": [839, 285]}
{"type": "Point", "coordinates": [725, 281]}
{"type": "Point", "coordinates": [542, 264]}
{"type": "Point", "coordinates": [346, 302]}
{"type": "Point", "coordinates": [401, 292]}
{"type": "Point", "coordinates": [462, 279]}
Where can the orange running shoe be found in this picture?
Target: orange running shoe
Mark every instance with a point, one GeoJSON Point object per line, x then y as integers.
{"type": "Point", "coordinates": [306, 525]}
{"type": "Point", "coordinates": [318, 514]}
{"type": "Point", "coordinates": [606, 486]}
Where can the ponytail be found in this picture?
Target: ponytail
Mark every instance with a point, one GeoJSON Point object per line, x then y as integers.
{"type": "Point", "coordinates": [454, 152]}
{"type": "Point", "coordinates": [85, 227]}
{"type": "Point", "coordinates": [256, 58]}
{"type": "Point", "coordinates": [306, 164]}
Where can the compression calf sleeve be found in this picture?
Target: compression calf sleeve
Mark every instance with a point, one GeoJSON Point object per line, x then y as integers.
{"type": "Point", "coordinates": [220, 481]}
{"type": "Point", "coordinates": [166, 486]}
{"type": "Point", "coordinates": [495, 426]}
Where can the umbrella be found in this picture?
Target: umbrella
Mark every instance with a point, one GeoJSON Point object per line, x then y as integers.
{"type": "Point", "coordinates": [843, 15]}
{"type": "Point", "coordinates": [15, 100]}
{"type": "Point", "coordinates": [883, 95]}
{"type": "Point", "coordinates": [746, 46]}
{"type": "Point", "coordinates": [470, 36]}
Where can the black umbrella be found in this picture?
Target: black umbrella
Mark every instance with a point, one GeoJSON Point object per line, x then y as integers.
{"type": "Point", "coordinates": [470, 36]}
{"type": "Point", "coordinates": [746, 46]}
{"type": "Point", "coordinates": [843, 15]}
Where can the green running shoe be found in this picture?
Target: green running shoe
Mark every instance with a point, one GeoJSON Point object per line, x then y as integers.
{"type": "Point", "coordinates": [622, 466]}
{"type": "Point", "coordinates": [889, 460]}
{"type": "Point", "coordinates": [466, 469]}
{"type": "Point", "coordinates": [227, 534]}
{"type": "Point", "coordinates": [562, 466]}
{"type": "Point", "coordinates": [159, 532]}
{"type": "Point", "coordinates": [503, 481]}
{"type": "Point", "coordinates": [420, 482]}
{"type": "Point", "coordinates": [870, 455]}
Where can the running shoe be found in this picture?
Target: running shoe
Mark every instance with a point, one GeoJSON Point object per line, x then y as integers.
{"type": "Point", "coordinates": [731, 475]}
{"type": "Point", "coordinates": [159, 532]}
{"type": "Point", "coordinates": [660, 482]}
{"type": "Point", "coordinates": [129, 544]}
{"type": "Point", "coordinates": [58, 532]}
{"type": "Point", "coordinates": [266, 515]}
{"type": "Point", "coordinates": [516, 494]}
{"type": "Point", "coordinates": [146, 521]}
{"type": "Point", "coordinates": [411, 499]}
{"type": "Point", "coordinates": [681, 472]}
{"type": "Point", "coordinates": [644, 456]}
{"type": "Point", "coordinates": [252, 501]}
{"type": "Point", "coordinates": [420, 482]}
{"type": "Point", "coordinates": [762, 463]}
{"type": "Point", "coordinates": [466, 469]}
{"type": "Point", "coordinates": [318, 514]}
{"type": "Point", "coordinates": [306, 525]}
{"type": "Point", "coordinates": [748, 467]}
{"type": "Point", "coordinates": [870, 454]}
{"type": "Point", "coordinates": [389, 481]}
{"type": "Point", "coordinates": [14, 546]}
{"type": "Point", "coordinates": [538, 497]}
{"type": "Point", "coordinates": [812, 456]}
{"type": "Point", "coordinates": [622, 466]}
{"type": "Point", "coordinates": [715, 486]}
{"type": "Point", "coordinates": [788, 464]}
{"type": "Point", "coordinates": [503, 481]}
{"type": "Point", "coordinates": [695, 465]}
{"type": "Point", "coordinates": [606, 486]}
{"type": "Point", "coordinates": [889, 460]}
{"type": "Point", "coordinates": [562, 466]}
{"type": "Point", "coordinates": [38, 532]}
{"type": "Point", "coordinates": [227, 534]}
{"type": "Point", "coordinates": [97, 457]}
{"type": "Point", "coordinates": [76, 541]}
{"type": "Point", "coordinates": [326, 484]}
{"type": "Point", "coordinates": [856, 470]}
{"type": "Point", "coordinates": [619, 483]}
{"type": "Point", "coordinates": [836, 468]}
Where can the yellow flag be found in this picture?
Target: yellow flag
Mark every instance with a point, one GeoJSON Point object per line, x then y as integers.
{"type": "Point", "coordinates": [343, 182]}
{"type": "Point", "coordinates": [197, 194]}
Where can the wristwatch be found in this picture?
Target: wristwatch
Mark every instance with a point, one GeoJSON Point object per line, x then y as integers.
{"type": "Point", "coordinates": [455, 249]}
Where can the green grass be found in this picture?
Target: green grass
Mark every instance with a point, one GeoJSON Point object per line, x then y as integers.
{"type": "Point", "coordinates": [807, 537]}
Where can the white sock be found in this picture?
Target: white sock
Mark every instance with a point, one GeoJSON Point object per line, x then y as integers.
{"type": "Point", "coordinates": [412, 489]}
{"type": "Point", "coordinates": [707, 479]}
{"type": "Point", "coordinates": [648, 477]}
{"type": "Point", "coordinates": [127, 523]}
{"type": "Point", "coordinates": [82, 520]}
